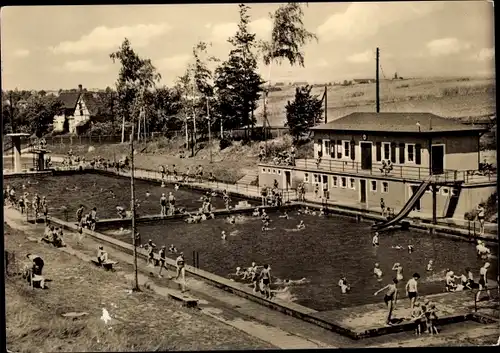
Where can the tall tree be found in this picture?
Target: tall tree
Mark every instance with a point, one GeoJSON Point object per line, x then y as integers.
{"type": "Point", "coordinates": [136, 76]}
{"type": "Point", "coordinates": [237, 81]}
{"type": "Point", "coordinates": [288, 37]}
{"type": "Point", "coordinates": [303, 112]}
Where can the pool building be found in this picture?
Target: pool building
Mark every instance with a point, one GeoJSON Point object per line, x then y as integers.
{"type": "Point", "coordinates": [363, 157]}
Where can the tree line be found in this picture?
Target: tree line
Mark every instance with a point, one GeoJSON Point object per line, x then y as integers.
{"type": "Point", "coordinates": [226, 97]}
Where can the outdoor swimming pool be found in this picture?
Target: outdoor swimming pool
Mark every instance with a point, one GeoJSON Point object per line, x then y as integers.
{"type": "Point", "coordinates": [327, 249]}
{"type": "Point", "coordinates": [105, 193]}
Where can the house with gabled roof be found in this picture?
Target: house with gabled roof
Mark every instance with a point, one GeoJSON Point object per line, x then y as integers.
{"type": "Point", "coordinates": [79, 109]}
{"type": "Point", "coordinates": [363, 157]}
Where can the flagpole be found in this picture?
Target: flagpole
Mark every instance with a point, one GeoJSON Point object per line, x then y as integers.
{"type": "Point", "coordinates": [132, 203]}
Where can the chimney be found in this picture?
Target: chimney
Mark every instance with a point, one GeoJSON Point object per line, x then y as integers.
{"type": "Point", "coordinates": [80, 88]}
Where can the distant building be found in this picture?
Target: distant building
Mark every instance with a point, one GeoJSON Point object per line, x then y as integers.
{"type": "Point", "coordinates": [363, 80]}
{"type": "Point", "coordinates": [79, 109]}
{"type": "Point", "coordinates": [353, 150]}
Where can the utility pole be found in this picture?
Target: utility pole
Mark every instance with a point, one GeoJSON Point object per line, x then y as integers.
{"type": "Point", "coordinates": [265, 120]}
{"type": "Point", "coordinates": [326, 104]}
{"type": "Point", "coordinates": [132, 204]}
{"type": "Point", "coordinates": [209, 130]}
{"type": "Point", "coordinates": [377, 83]}
{"type": "Point", "coordinates": [12, 123]}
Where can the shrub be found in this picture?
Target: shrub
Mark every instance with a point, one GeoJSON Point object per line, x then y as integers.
{"type": "Point", "coordinates": [226, 141]}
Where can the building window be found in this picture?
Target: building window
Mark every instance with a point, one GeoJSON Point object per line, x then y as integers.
{"type": "Point", "coordinates": [410, 153]}
{"type": "Point", "coordinates": [386, 149]}
{"type": "Point", "coordinates": [385, 187]}
{"type": "Point", "coordinates": [445, 191]}
{"type": "Point", "coordinates": [306, 177]}
{"type": "Point", "coordinates": [279, 171]}
{"type": "Point", "coordinates": [335, 181]}
{"type": "Point", "coordinates": [343, 181]}
{"type": "Point", "coordinates": [274, 171]}
{"type": "Point", "coordinates": [352, 183]}
{"type": "Point", "coordinates": [316, 178]}
{"type": "Point", "coordinates": [263, 170]}
{"type": "Point", "coordinates": [269, 170]}
{"type": "Point", "coordinates": [346, 148]}
{"type": "Point", "coordinates": [373, 185]}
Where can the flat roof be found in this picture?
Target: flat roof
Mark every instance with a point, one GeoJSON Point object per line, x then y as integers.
{"type": "Point", "coordinates": [397, 122]}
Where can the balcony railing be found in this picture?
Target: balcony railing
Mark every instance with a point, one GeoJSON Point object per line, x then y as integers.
{"type": "Point", "coordinates": [396, 171]}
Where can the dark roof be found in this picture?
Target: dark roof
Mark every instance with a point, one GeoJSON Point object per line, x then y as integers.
{"type": "Point", "coordinates": [69, 99]}
{"type": "Point", "coordinates": [396, 122]}
{"type": "Point", "coordinates": [93, 101]}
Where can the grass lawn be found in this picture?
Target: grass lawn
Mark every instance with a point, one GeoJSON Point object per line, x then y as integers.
{"type": "Point", "coordinates": [141, 321]}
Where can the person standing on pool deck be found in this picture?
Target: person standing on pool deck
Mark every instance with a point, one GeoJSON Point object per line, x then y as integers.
{"type": "Point", "coordinates": [79, 214]}
{"type": "Point", "coordinates": [162, 256]}
{"type": "Point", "coordinates": [483, 281]}
{"type": "Point", "coordinates": [163, 205]}
{"type": "Point", "coordinates": [45, 208]}
{"type": "Point", "coordinates": [150, 248]}
{"type": "Point", "coordinates": [265, 276]}
{"type": "Point", "coordinates": [93, 218]}
{"type": "Point", "coordinates": [179, 263]}
{"type": "Point", "coordinates": [480, 217]}
{"type": "Point", "coordinates": [382, 206]}
{"type": "Point", "coordinates": [411, 289]}
{"type": "Point", "coordinates": [390, 298]}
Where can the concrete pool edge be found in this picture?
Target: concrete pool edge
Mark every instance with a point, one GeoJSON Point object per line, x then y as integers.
{"type": "Point", "coordinates": [291, 309]}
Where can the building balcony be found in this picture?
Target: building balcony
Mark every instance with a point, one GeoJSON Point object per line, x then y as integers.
{"type": "Point", "coordinates": [398, 172]}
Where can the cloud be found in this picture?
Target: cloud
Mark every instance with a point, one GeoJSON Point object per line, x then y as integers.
{"type": "Point", "coordinates": [446, 46]}
{"type": "Point", "coordinates": [321, 63]}
{"type": "Point", "coordinates": [176, 62]}
{"type": "Point", "coordinates": [21, 53]}
{"type": "Point", "coordinates": [485, 54]}
{"type": "Point", "coordinates": [105, 38]}
{"type": "Point", "coordinates": [363, 57]}
{"type": "Point", "coordinates": [363, 20]}
{"type": "Point", "coordinates": [80, 66]}
{"type": "Point", "coordinates": [262, 27]}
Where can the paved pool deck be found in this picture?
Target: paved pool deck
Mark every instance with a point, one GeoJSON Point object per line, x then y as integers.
{"type": "Point", "coordinates": [354, 322]}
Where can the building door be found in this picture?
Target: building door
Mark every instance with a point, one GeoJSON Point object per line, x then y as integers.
{"type": "Point", "coordinates": [413, 189]}
{"type": "Point", "coordinates": [437, 159]}
{"type": "Point", "coordinates": [288, 179]}
{"type": "Point", "coordinates": [324, 185]}
{"type": "Point", "coordinates": [366, 155]}
{"type": "Point", "coordinates": [362, 190]}
{"type": "Point", "coordinates": [326, 148]}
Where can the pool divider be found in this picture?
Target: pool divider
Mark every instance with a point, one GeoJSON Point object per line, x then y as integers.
{"type": "Point", "coordinates": [120, 222]}
{"type": "Point", "coordinates": [288, 308]}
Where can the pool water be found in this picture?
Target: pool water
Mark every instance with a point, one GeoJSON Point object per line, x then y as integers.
{"type": "Point", "coordinates": [94, 190]}
{"type": "Point", "coordinates": [327, 249]}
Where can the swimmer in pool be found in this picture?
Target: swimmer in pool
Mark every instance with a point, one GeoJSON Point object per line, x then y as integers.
{"type": "Point", "coordinates": [231, 219]}
{"type": "Point", "coordinates": [399, 271]}
{"type": "Point", "coordinates": [176, 187]}
{"type": "Point", "coordinates": [301, 225]}
{"type": "Point", "coordinates": [291, 282]}
{"type": "Point", "coordinates": [256, 212]}
{"type": "Point", "coordinates": [377, 272]}
{"type": "Point", "coordinates": [172, 249]}
{"type": "Point", "coordinates": [284, 215]}
{"type": "Point", "coordinates": [410, 249]}
{"type": "Point", "coordinates": [429, 265]}
{"type": "Point", "coordinates": [239, 272]}
{"type": "Point", "coordinates": [148, 194]}
{"type": "Point", "coordinates": [162, 184]}
{"type": "Point", "coordinates": [344, 286]}
{"type": "Point", "coordinates": [482, 251]}
{"type": "Point", "coordinates": [397, 247]}
{"type": "Point", "coordinates": [375, 239]}
{"type": "Point", "coordinates": [224, 236]}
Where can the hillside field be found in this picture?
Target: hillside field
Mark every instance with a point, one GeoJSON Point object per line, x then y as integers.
{"type": "Point", "coordinates": [447, 97]}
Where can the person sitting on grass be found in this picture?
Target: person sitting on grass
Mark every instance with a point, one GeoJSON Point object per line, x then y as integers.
{"type": "Point", "coordinates": [102, 256]}
{"type": "Point", "coordinates": [34, 269]}
{"type": "Point", "coordinates": [48, 235]}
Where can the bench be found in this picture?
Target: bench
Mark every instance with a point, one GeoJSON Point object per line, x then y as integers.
{"type": "Point", "coordinates": [187, 301]}
{"type": "Point", "coordinates": [108, 265]}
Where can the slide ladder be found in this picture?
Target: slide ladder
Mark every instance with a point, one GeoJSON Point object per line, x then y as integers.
{"type": "Point", "coordinates": [408, 207]}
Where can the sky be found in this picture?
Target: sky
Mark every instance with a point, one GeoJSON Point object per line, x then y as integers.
{"type": "Point", "coordinates": [53, 47]}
